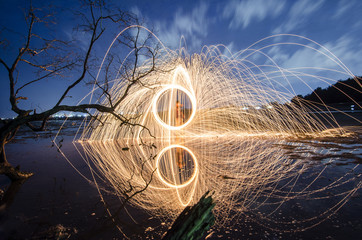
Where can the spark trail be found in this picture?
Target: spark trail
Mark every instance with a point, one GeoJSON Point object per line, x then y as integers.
{"type": "Point", "coordinates": [214, 121]}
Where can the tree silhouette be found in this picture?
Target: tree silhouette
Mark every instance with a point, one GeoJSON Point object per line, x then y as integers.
{"type": "Point", "coordinates": [51, 58]}
{"type": "Point", "coordinates": [343, 91]}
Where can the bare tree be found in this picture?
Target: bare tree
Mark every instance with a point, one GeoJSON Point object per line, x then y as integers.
{"type": "Point", "coordinates": [52, 58]}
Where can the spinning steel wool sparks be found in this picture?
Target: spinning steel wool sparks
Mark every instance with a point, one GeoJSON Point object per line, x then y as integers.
{"type": "Point", "coordinates": [216, 122]}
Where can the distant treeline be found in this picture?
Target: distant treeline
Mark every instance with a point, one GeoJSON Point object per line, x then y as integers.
{"type": "Point", "coordinates": [340, 92]}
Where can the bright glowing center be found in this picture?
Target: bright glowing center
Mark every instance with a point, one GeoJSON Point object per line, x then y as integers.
{"type": "Point", "coordinates": [172, 109]}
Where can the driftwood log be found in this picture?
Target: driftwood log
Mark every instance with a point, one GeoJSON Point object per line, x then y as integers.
{"type": "Point", "coordinates": [194, 221]}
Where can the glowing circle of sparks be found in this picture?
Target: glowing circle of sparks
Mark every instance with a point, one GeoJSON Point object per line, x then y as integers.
{"type": "Point", "coordinates": [194, 174]}
{"type": "Point", "coordinates": [158, 95]}
{"type": "Point", "coordinates": [245, 112]}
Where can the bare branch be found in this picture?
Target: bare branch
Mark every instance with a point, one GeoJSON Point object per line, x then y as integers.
{"type": "Point", "coordinates": [5, 65]}
{"type": "Point", "coordinates": [94, 38]}
{"type": "Point", "coordinates": [55, 71]}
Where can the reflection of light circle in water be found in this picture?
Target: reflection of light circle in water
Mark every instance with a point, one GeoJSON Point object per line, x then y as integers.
{"type": "Point", "coordinates": [160, 157]}
{"type": "Point", "coordinates": [176, 166]}
{"type": "Point", "coordinates": [160, 94]}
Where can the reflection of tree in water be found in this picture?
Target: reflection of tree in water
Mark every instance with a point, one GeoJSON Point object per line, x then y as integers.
{"type": "Point", "coordinates": [7, 197]}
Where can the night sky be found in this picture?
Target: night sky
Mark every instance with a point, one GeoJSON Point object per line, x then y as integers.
{"type": "Point", "coordinates": [235, 24]}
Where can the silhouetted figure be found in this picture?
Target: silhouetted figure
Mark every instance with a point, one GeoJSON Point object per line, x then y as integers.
{"type": "Point", "coordinates": [179, 157]}
{"type": "Point", "coordinates": [180, 117]}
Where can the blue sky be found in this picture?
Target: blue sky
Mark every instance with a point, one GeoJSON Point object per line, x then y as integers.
{"type": "Point", "coordinates": [238, 24]}
{"type": "Point", "coordinates": [233, 23]}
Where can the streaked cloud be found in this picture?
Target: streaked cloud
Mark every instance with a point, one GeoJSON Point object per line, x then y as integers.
{"type": "Point", "coordinates": [242, 13]}
{"type": "Point", "coordinates": [80, 38]}
{"type": "Point", "coordinates": [346, 49]}
{"type": "Point", "coordinates": [298, 14]}
{"type": "Point", "coordinates": [343, 7]}
{"type": "Point", "coordinates": [229, 49]}
{"type": "Point", "coordinates": [193, 26]}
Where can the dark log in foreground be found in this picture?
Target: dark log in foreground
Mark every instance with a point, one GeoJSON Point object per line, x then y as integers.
{"type": "Point", "coordinates": [194, 221]}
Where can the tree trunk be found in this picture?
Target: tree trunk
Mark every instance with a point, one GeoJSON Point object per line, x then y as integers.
{"type": "Point", "coordinates": [3, 159]}
{"type": "Point", "coordinates": [5, 167]}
